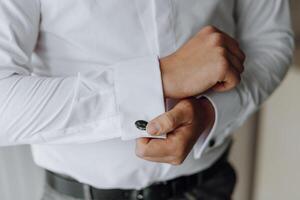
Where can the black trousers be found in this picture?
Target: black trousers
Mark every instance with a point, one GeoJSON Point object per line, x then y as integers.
{"type": "Point", "coordinates": [215, 183]}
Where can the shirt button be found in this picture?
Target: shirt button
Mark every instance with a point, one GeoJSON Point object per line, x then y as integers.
{"type": "Point", "coordinates": [212, 143]}
{"type": "Point", "coordinates": [141, 124]}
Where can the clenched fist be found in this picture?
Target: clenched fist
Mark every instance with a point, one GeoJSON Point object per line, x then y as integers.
{"type": "Point", "coordinates": [211, 59]}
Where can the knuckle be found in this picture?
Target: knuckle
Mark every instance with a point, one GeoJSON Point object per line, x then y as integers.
{"type": "Point", "coordinates": [243, 68]}
{"type": "Point", "coordinates": [209, 29]}
{"type": "Point", "coordinates": [243, 56]}
{"type": "Point", "coordinates": [170, 120]}
{"type": "Point", "coordinates": [188, 110]}
{"type": "Point", "coordinates": [221, 51]}
{"type": "Point", "coordinates": [187, 107]}
{"type": "Point", "coordinates": [235, 42]}
{"type": "Point", "coordinates": [217, 39]}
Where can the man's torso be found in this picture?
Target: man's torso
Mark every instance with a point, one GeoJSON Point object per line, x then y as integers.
{"type": "Point", "coordinates": [76, 36]}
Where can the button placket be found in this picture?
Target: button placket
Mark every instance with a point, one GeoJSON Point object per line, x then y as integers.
{"type": "Point", "coordinates": [163, 21]}
{"type": "Point", "coordinates": [156, 19]}
{"type": "Point", "coordinates": [145, 13]}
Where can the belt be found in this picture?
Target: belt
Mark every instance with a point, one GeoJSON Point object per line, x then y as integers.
{"type": "Point", "coordinates": [157, 191]}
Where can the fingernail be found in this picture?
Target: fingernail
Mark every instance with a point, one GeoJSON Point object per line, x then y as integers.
{"type": "Point", "coordinates": [153, 128]}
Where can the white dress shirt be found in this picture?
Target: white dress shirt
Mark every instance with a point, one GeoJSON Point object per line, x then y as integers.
{"type": "Point", "coordinates": [75, 76]}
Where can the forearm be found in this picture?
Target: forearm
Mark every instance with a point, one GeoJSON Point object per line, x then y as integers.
{"type": "Point", "coordinates": [45, 110]}
{"type": "Point", "coordinates": [85, 108]}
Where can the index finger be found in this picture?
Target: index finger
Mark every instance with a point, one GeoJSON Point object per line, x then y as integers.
{"type": "Point", "coordinates": [233, 46]}
{"type": "Point", "coordinates": [152, 147]}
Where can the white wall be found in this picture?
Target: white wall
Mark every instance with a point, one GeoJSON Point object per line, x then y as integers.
{"type": "Point", "coordinates": [278, 165]}
{"type": "Point", "coordinates": [242, 157]}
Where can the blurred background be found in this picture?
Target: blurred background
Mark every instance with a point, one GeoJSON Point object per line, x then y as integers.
{"type": "Point", "coordinates": [266, 150]}
{"type": "Point", "coordinates": [265, 153]}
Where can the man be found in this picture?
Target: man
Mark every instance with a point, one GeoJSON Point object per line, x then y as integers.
{"type": "Point", "coordinates": [136, 99]}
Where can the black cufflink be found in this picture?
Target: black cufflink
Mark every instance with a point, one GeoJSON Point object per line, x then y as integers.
{"type": "Point", "coordinates": [141, 124]}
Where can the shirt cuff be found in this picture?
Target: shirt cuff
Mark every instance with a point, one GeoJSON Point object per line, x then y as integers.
{"type": "Point", "coordinates": [227, 106]}
{"type": "Point", "coordinates": [139, 94]}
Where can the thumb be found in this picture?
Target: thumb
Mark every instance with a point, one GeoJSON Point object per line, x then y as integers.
{"type": "Point", "coordinates": [166, 122]}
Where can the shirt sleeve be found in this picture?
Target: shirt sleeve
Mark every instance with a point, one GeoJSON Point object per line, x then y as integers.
{"type": "Point", "coordinates": [89, 107]}
{"type": "Point", "coordinates": [263, 29]}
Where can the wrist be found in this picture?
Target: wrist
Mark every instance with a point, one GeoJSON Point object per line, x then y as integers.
{"type": "Point", "coordinates": [167, 67]}
{"type": "Point", "coordinates": [164, 63]}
